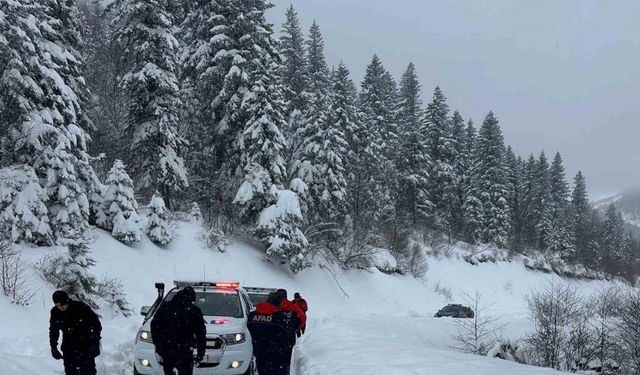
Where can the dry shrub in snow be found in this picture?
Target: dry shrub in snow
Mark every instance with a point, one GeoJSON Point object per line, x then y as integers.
{"type": "Point", "coordinates": [416, 261]}
{"type": "Point", "coordinates": [628, 333]}
{"type": "Point", "coordinates": [353, 250]}
{"type": "Point", "coordinates": [553, 311]}
{"type": "Point", "coordinates": [476, 335]}
{"type": "Point", "coordinates": [443, 291]}
{"type": "Point", "coordinates": [111, 291]}
{"type": "Point", "coordinates": [14, 275]}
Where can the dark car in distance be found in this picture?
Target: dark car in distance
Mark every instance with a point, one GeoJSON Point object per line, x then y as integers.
{"type": "Point", "coordinates": [455, 311]}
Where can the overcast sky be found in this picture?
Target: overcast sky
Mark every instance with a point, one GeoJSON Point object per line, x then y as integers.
{"type": "Point", "coordinates": [559, 75]}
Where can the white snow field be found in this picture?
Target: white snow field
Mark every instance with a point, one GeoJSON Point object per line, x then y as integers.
{"type": "Point", "coordinates": [360, 322]}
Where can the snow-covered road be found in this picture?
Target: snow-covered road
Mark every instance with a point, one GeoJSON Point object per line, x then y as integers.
{"type": "Point", "coordinates": [383, 344]}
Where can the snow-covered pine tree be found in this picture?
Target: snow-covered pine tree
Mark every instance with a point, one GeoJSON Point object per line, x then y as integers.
{"type": "Point", "coordinates": [344, 97]}
{"type": "Point", "coordinates": [108, 102]}
{"type": "Point", "coordinates": [126, 227]}
{"type": "Point", "coordinates": [119, 205]}
{"type": "Point", "coordinates": [330, 166]}
{"type": "Point", "coordinates": [42, 99]}
{"type": "Point", "coordinates": [294, 65]}
{"type": "Point", "coordinates": [442, 177]}
{"type": "Point", "coordinates": [220, 45]}
{"type": "Point", "coordinates": [67, 202]}
{"type": "Point", "coordinates": [391, 100]}
{"type": "Point", "coordinates": [628, 264]}
{"type": "Point", "coordinates": [346, 118]}
{"type": "Point", "coordinates": [470, 140]}
{"type": "Point", "coordinates": [542, 209]}
{"type": "Point", "coordinates": [374, 199]}
{"type": "Point", "coordinates": [470, 204]}
{"type": "Point", "coordinates": [279, 227]}
{"type": "Point", "coordinates": [74, 276]}
{"type": "Point", "coordinates": [529, 189]}
{"type": "Point", "coordinates": [158, 228]}
{"type": "Point", "coordinates": [412, 160]}
{"type": "Point", "coordinates": [460, 169]}
{"type": "Point", "coordinates": [487, 194]}
{"type": "Point", "coordinates": [260, 141]}
{"type": "Point", "coordinates": [612, 241]}
{"type": "Point", "coordinates": [558, 186]}
{"type": "Point", "coordinates": [322, 147]}
{"type": "Point", "coordinates": [63, 29]}
{"type": "Point", "coordinates": [262, 148]}
{"type": "Point", "coordinates": [207, 51]}
{"type": "Point", "coordinates": [23, 214]}
{"type": "Point", "coordinates": [307, 138]}
{"type": "Point", "coordinates": [514, 199]}
{"type": "Point", "coordinates": [146, 28]}
{"type": "Point", "coordinates": [560, 242]}
{"type": "Point", "coordinates": [581, 214]}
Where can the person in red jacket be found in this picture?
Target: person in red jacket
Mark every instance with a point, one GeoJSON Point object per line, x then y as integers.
{"type": "Point", "coordinates": [290, 306]}
{"type": "Point", "coordinates": [302, 305]}
{"type": "Point", "coordinates": [272, 330]}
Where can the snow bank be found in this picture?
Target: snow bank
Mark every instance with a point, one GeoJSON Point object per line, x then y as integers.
{"type": "Point", "coordinates": [361, 322]}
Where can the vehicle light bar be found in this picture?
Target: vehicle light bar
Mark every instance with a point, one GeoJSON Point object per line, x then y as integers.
{"type": "Point", "coordinates": [253, 289]}
{"type": "Point", "coordinates": [214, 284]}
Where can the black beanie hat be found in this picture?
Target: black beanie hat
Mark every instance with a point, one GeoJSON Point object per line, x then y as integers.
{"type": "Point", "coordinates": [189, 294]}
{"type": "Point", "coordinates": [283, 292]}
{"type": "Point", "coordinates": [276, 298]}
{"type": "Point", "coordinates": [61, 297]}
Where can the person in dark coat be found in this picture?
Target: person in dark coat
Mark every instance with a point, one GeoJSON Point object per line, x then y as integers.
{"type": "Point", "coordinates": [81, 330]}
{"type": "Point", "coordinates": [287, 305]}
{"type": "Point", "coordinates": [177, 329]}
{"type": "Point", "coordinates": [302, 305]}
{"type": "Point", "coordinates": [273, 326]}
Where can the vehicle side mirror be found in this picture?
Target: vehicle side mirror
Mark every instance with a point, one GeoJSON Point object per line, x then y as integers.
{"type": "Point", "coordinates": [144, 310]}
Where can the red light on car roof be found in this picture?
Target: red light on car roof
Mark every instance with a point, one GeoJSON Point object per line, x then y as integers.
{"type": "Point", "coordinates": [228, 284]}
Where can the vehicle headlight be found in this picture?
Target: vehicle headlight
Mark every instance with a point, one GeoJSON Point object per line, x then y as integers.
{"type": "Point", "coordinates": [144, 336]}
{"type": "Point", "coordinates": [234, 338]}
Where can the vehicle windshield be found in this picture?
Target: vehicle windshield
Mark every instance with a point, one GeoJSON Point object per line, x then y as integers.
{"type": "Point", "coordinates": [257, 298]}
{"type": "Point", "coordinates": [215, 303]}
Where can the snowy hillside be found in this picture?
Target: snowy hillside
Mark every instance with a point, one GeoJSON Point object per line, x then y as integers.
{"type": "Point", "coordinates": [361, 321]}
{"type": "Point", "coordinates": [628, 203]}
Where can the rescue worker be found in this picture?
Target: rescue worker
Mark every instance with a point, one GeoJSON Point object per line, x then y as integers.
{"type": "Point", "coordinates": [81, 330]}
{"type": "Point", "coordinates": [177, 329]}
{"type": "Point", "coordinates": [290, 306]}
{"type": "Point", "coordinates": [302, 304]}
{"type": "Point", "coordinates": [273, 326]}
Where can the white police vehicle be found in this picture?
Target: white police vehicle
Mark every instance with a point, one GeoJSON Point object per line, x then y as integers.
{"type": "Point", "coordinates": [225, 306]}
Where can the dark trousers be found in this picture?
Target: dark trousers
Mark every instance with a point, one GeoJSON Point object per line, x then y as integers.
{"type": "Point", "coordinates": [184, 365]}
{"type": "Point", "coordinates": [78, 363]}
{"type": "Point", "coordinates": [272, 366]}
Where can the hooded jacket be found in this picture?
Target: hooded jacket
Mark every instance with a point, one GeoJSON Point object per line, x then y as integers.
{"type": "Point", "coordinates": [80, 327]}
{"type": "Point", "coordinates": [178, 327]}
